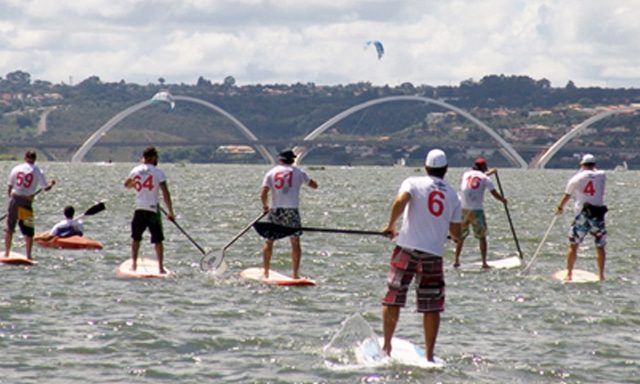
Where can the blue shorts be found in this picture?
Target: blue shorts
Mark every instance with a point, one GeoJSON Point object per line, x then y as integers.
{"type": "Point", "coordinates": [582, 225]}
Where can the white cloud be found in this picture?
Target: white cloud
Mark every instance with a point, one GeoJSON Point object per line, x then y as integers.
{"type": "Point", "coordinates": [287, 41]}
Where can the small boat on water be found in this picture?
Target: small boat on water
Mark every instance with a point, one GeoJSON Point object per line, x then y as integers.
{"type": "Point", "coordinates": [73, 242]}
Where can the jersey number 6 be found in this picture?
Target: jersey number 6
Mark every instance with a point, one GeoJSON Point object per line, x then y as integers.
{"type": "Point", "coordinates": [435, 203]}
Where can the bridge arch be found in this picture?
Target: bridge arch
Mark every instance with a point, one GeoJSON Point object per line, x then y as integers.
{"type": "Point", "coordinates": [549, 153]}
{"type": "Point", "coordinates": [97, 135]}
{"type": "Point", "coordinates": [505, 148]}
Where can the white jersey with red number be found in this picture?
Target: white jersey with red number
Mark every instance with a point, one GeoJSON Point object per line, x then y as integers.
{"type": "Point", "coordinates": [25, 178]}
{"type": "Point", "coordinates": [433, 206]}
{"type": "Point", "coordinates": [587, 186]}
{"type": "Point", "coordinates": [147, 179]}
{"type": "Point", "coordinates": [285, 181]}
{"type": "Point", "coordinates": [474, 184]}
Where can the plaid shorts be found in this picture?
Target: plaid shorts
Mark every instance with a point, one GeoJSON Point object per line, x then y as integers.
{"type": "Point", "coordinates": [428, 270]}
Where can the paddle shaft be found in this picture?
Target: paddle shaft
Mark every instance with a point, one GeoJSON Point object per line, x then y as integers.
{"type": "Point", "coordinates": [336, 230]}
{"type": "Point", "coordinates": [506, 209]}
{"type": "Point", "coordinates": [217, 263]}
{"type": "Point", "coordinates": [185, 233]}
{"type": "Point", "coordinates": [244, 230]}
{"type": "Point", "coordinates": [544, 238]}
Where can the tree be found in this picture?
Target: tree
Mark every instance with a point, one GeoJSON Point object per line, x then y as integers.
{"type": "Point", "coordinates": [229, 81]}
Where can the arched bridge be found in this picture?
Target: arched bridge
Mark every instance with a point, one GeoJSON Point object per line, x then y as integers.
{"type": "Point", "coordinates": [505, 148]}
{"type": "Point", "coordinates": [166, 97]}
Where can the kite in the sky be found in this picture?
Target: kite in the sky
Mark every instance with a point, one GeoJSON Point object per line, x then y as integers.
{"type": "Point", "coordinates": [379, 47]}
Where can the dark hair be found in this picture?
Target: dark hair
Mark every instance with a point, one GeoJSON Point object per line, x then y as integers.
{"type": "Point", "coordinates": [437, 172]}
{"type": "Point", "coordinates": [287, 157]}
{"type": "Point", "coordinates": [30, 155]}
{"type": "Point", "coordinates": [69, 211]}
{"type": "Point", "coordinates": [150, 152]}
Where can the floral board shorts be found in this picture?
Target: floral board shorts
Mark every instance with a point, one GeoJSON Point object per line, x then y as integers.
{"type": "Point", "coordinates": [583, 224]}
{"type": "Point", "coordinates": [474, 218]}
{"type": "Point", "coordinates": [289, 217]}
{"type": "Point", "coordinates": [428, 271]}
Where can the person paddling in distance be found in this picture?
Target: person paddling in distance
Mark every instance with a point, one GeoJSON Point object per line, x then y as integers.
{"type": "Point", "coordinates": [474, 183]}
{"type": "Point", "coordinates": [147, 179]}
{"type": "Point", "coordinates": [431, 212]}
{"type": "Point", "coordinates": [66, 228]}
{"type": "Point", "coordinates": [587, 187]}
{"type": "Point", "coordinates": [283, 182]}
{"type": "Point", "coordinates": [24, 181]}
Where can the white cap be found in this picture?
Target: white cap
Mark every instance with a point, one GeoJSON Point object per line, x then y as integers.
{"type": "Point", "coordinates": [436, 159]}
{"type": "Point", "coordinates": [588, 159]}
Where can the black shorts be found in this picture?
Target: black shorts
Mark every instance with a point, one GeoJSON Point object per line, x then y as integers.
{"type": "Point", "coordinates": [143, 219]}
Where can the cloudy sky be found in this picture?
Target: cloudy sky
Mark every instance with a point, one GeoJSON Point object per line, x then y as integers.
{"type": "Point", "coordinates": [434, 42]}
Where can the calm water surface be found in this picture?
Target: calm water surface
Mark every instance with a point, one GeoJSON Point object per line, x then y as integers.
{"type": "Point", "coordinates": [70, 319]}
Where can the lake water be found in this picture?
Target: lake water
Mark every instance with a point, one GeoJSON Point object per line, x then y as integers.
{"type": "Point", "coordinates": [70, 319]}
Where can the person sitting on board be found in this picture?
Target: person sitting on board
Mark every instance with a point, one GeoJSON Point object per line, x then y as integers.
{"type": "Point", "coordinates": [147, 179]}
{"type": "Point", "coordinates": [431, 211]}
{"type": "Point", "coordinates": [284, 182]}
{"type": "Point", "coordinates": [24, 180]}
{"type": "Point", "coordinates": [66, 228]}
{"type": "Point", "coordinates": [474, 183]}
{"type": "Point", "coordinates": [587, 187]}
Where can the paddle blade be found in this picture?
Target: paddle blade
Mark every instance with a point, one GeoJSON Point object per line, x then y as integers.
{"type": "Point", "coordinates": [274, 231]}
{"type": "Point", "coordinates": [97, 208]}
{"type": "Point", "coordinates": [214, 265]}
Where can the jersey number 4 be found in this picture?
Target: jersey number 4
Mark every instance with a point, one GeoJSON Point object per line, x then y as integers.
{"type": "Point", "coordinates": [589, 189]}
{"type": "Point", "coordinates": [147, 183]}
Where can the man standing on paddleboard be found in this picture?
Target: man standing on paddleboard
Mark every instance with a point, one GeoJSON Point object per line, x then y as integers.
{"type": "Point", "coordinates": [284, 182]}
{"type": "Point", "coordinates": [430, 211]}
{"type": "Point", "coordinates": [587, 187]}
{"type": "Point", "coordinates": [474, 182]}
{"type": "Point", "coordinates": [24, 180]}
{"type": "Point", "coordinates": [147, 179]}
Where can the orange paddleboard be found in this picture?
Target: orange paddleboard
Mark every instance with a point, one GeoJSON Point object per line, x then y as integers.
{"type": "Point", "coordinates": [16, 258]}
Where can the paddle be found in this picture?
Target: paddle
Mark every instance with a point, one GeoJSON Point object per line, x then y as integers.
{"type": "Point", "coordinates": [275, 231]}
{"type": "Point", "coordinates": [528, 267]}
{"type": "Point", "coordinates": [216, 264]}
{"type": "Point", "coordinates": [506, 209]}
{"type": "Point", "coordinates": [184, 232]}
{"type": "Point", "coordinates": [96, 208]}
{"type": "Point", "coordinates": [35, 194]}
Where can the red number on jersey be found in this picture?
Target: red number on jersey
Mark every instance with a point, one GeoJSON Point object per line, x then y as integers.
{"type": "Point", "coordinates": [281, 178]}
{"type": "Point", "coordinates": [435, 203]}
{"type": "Point", "coordinates": [589, 189]}
{"type": "Point", "coordinates": [473, 182]}
{"type": "Point", "coordinates": [147, 183]}
{"type": "Point", "coordinates": [24, 179]}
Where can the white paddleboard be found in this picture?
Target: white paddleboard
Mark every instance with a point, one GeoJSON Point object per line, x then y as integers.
{"type": "Point", "coordinates": [275, 277]}
{"type": "Point", "coordinates": [402, 352]}
{"type": "Point", "coordinates": [578, 276]}
{"type": "Point", "coordinates": [508, 263]}
{"type": "Point", "coordinates": [16, 258]}
{"type": "Point", "coordinates": [145, 268]}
